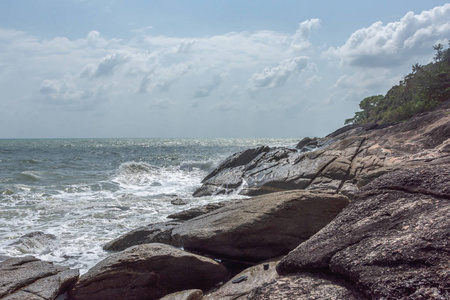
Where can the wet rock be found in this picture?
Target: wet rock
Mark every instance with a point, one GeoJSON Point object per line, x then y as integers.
{"type": "Point", "coordinates": [261, 227]}
{"type": "Point", "coordinates": [254, 277]}
{"type": "Point", "coordinates": [35, 242]}
{"type": "Point", "coordinates": [153, 233]}
{"type": "Point", "coordinates": [391, 242]}
{"type": "Point", "coordinates": [185, 295]}
{"type": "Point", "coordinates": [30, 278]}
{"type": "Point", "coordinates": [306, 286]}
{"type": "Point", "coordinates": [148, 271]}
{"type": "Point", "coordinates": [178, 201]}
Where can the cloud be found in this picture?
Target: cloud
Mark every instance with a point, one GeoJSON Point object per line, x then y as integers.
{"type": "Point", "coordinates": [387, 45]}
{"type": "Point", "coordinates": [300, 39]}
{"type": "Point", "coordinates": [163, 78]}
{"type": "Point", "coordinates": [205, 90]}
{"type": "Point", "coordinates": [277, 76]}
{"type": "Point", "coordinates": [64, 92]}
{"type": "Point", "coordinates": [106, 67]}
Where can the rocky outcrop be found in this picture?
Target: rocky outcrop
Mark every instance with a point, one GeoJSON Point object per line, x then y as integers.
{"type": "Point", "coordinates": [148, 271]}
{"type": "Point", "coordinates": [392, 242]}
{"type": "Point", "coordinates": [341, 162]}
{"type": "Point", "coordinates": [261, 227]}
{"type": "Point", "coordinates": [33, 279]}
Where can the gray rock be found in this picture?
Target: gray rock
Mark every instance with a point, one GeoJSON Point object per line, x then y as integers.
{"type": "Point", "coordinates": [306, 286]}
{"type": "Point", "coordinates": [261, 227]}
{"type": "Point", "coordinates": [29, 278]}
{"type": "Point", "coordinates": [148, 271]}
{"type": "Point", "coordinates": [194, 294]}
{"type": "Point", "coordinates": [197, 211]}
{"type": "Point", "coordinates": [392, 242]}
{"type": "Point", "coordinates": [178, 201]}
{"type": "Point", "coordinates": [153, 233]}
{"type": "Point", "coordinates": [241, 285]}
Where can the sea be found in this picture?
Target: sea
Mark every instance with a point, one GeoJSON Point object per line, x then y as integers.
{"type": "Point", "coordinates": [61, 200]}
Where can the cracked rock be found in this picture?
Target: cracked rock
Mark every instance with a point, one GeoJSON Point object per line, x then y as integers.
{"type": "Point", "coordinates": [30, 278]}
{"type": "Point", "coordinates": [391, 242]}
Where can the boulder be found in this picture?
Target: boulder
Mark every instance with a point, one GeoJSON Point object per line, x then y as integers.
{"type": "Point", "coordinates": [306, 286]}
{"type": "Point", "coordinates": [30, 278]}
{"type": "Point", "coordinates": [241, 285]}
{"type": "Point", "coordinates": [261, 227]}
{"type": "Point", "coordinates": [153, 233]}
{"type": "Point", "coordinates": [148, 271]}
{"type": "Point", "coordinates": [194, 294]}
{"type": "Point", "coordinates": [391, 242]}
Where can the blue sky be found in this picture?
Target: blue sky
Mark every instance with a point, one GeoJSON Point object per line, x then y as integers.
{"type": "Point", "coordinates": [93, 68]}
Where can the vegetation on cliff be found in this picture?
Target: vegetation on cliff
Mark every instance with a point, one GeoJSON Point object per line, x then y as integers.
{"type": "Point", "coordinates": [421, 90]}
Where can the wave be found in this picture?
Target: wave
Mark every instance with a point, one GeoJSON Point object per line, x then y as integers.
{"type": "Point", "coordinates": [137, 168]}
{"type": "Point", "coordinates": [30, 175]}
{"type": "Point", "coordinates": [35, 242]}
{"type": "Point", "coordinates": [206, 165]}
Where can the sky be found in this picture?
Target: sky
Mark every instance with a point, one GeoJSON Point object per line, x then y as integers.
{"type": "Point", "coordinates": [204, 69]}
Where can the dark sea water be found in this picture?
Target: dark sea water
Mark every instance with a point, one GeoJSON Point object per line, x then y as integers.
{"type": "Point", "coordinates": [86, 192]}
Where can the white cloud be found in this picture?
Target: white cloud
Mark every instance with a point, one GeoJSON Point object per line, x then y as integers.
{"type": "Point", "coordinates": [300, 39]}
{"type": "Point", "coordinates": [163, 78]}
{"type": "Point", "coordinates": [65, 92]}
{"type": "Point", "coordinates": [205, 90]}
{"type": "Point", "coordinates": [387, 45]}
{"type": "Point", "coordinates": [106, 66]}
{"type": "Point", "coordinates": [277, 76]}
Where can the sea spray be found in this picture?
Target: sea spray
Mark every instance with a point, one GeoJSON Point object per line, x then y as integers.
{"type": "Point", "coordinates": [86, 192]}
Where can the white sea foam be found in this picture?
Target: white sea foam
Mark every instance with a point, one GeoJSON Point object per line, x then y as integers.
{"type": "Point", "coordinates": [87, 193]}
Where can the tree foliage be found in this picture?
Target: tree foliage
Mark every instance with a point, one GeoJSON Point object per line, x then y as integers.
{"type": "Point", "coordinates": [421, 90]}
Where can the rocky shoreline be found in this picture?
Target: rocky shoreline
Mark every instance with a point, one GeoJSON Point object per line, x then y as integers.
{"type": "Point", "coordinates": [360, 214]}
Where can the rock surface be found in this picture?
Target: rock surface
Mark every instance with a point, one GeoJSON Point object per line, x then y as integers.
{"type": "Point", "coordinates": [197, 211]}
{"type": "Point", "coordinates": [347, 159]}
{"type": "Point", "coordinates": [148, 271]}
{"type": "Point", "coordinates": [185, 295]}
{"type": "Point", "coordinates": [392, 242]}
{"type": "Point", "coordinates": [241, 285]}
{"type": "Point", "coordinates": [261, 227]}
{"type": "Point", "coordinates": [153, 233]}
{"type": "Point", "coordinates": [29, 278]}
{"type": "Point", "coordinates": [306, 286]}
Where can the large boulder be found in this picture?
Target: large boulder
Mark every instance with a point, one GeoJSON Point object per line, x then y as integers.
{"type": "Point", "coordinates": [392, 242]}
{"type": "Point", "coordinates": [260, 228]}
{"type": "Point", "coordinates": [33, 279]}
{"type": "Point", "coordinates": [148, 271]}
{"type": "Point", "coordinates": [344, 160]}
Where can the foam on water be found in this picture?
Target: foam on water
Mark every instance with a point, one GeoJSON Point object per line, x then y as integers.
{"type": "Point", "coordinates": [86, 193]}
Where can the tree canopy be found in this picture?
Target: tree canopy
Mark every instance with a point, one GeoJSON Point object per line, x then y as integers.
{"type": "Point", "coordinates": [421, 90]}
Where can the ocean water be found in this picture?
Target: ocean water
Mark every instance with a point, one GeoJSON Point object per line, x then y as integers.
{"type": "Point", "coordinates": [82, 193]}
